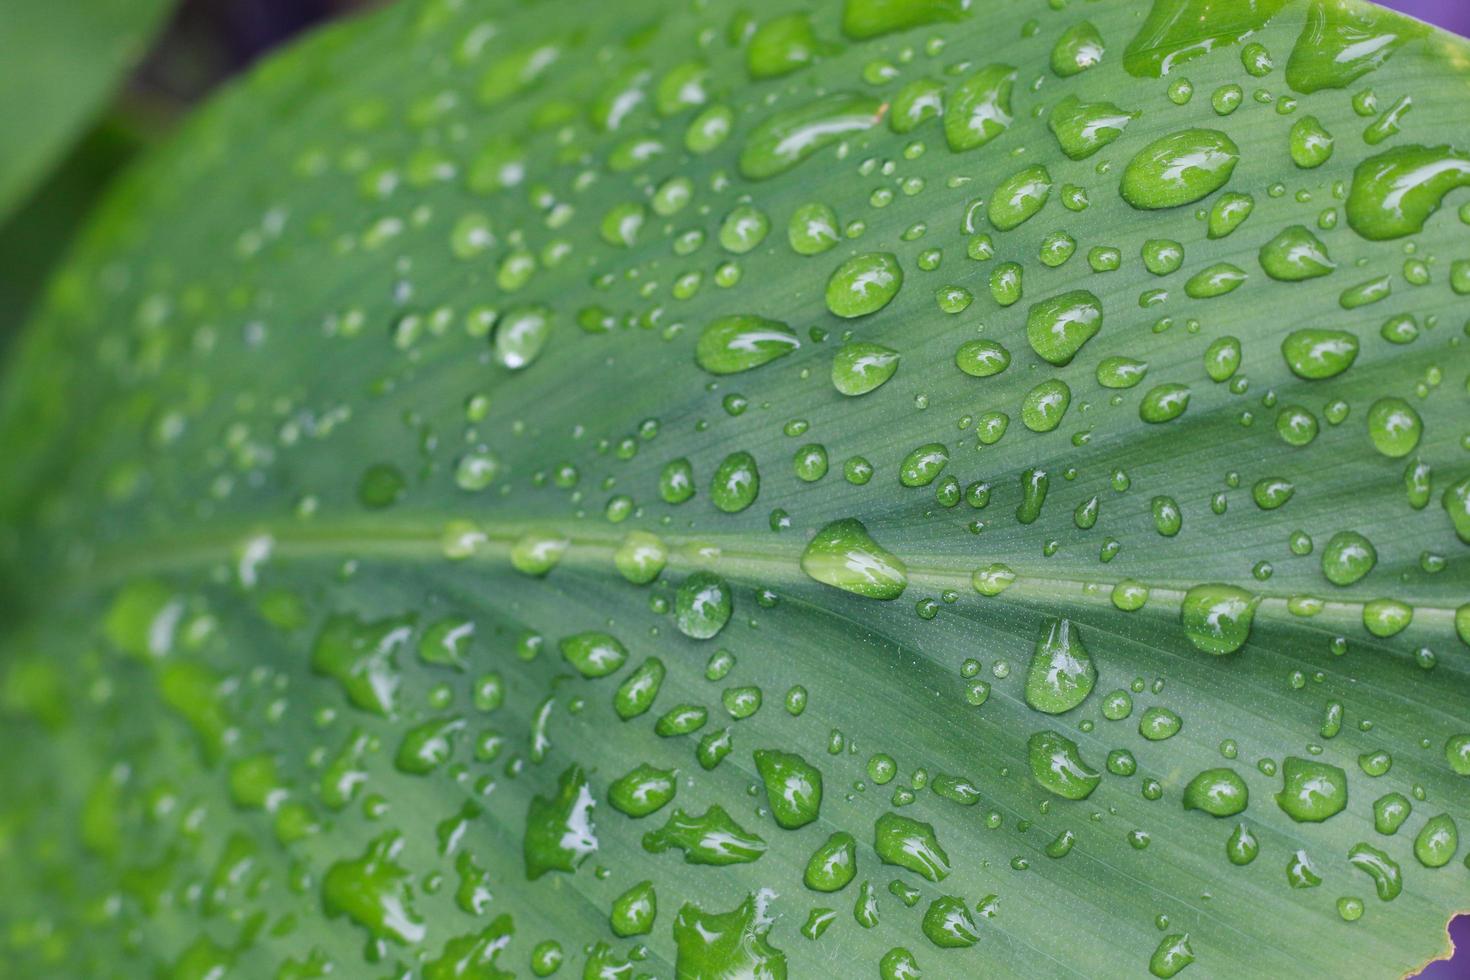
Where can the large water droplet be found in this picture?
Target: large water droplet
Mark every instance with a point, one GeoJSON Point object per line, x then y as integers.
{"type": "Point", "coordinates": [1395, 192]}
{"type": "Point", "coordinates": [789, 136]}
{"type": "Point", "coordinates": [1058, 327]}
{"type": "Point", "coordinates": [1179, 169]}
{"type": "Point", "coordinates": [1061, 674]}
{"type": "Point", "coordinates": [845, 556]}
{"type": "Point", "coordinates": [742, 341]}
{"type": "Point", "coordinates": [979, 108]}
{"type": "Point", "coordinates": [1217, 618]}
{"type": "Point", "coordinates": [864, 284]}
{"type": "Point", "coordinates": [1311, 791]}
{"type": "Point", "coordinates": [1057, 766]}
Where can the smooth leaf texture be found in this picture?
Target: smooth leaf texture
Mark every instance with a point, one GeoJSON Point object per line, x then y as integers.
{"type": "Point", "coordinates": [389, 586]}
{"type": "Point", "coordinates": [59, 63]}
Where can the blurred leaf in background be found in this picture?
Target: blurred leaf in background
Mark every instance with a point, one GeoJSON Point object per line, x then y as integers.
{"type": "Point", "coordinates": [59, 64]}
{"type": "Point", "coordinates": [59, 151]}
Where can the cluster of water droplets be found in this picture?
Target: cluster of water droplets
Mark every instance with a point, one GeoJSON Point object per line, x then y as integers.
{"type": "Point", "coordinates": [704, 196]}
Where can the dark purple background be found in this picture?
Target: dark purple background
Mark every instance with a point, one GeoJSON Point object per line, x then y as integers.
{"type": "Point", "coordinates": [1452, 15]}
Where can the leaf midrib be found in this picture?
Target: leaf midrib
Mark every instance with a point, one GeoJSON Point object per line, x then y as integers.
{"type": "Point", "coordinates": [593, 548]}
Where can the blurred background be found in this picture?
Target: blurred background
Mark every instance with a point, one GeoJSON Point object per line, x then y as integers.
{"type": "Point", "coordinates": [208, 41]}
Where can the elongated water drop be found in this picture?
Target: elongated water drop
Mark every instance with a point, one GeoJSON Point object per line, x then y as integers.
{"type": "Point", "coordinates": [1177, 31]}
{"type": "Point", "coordinates": [862, 19]}
{"type": "Point", "coordinates": [1395, 192]}
{"type": "Point", "coordinates": [789, 136]}
{"type": "Point", "coordinates": [1342, 41]}
{"type": "Point", "coordinates": [741, 342]}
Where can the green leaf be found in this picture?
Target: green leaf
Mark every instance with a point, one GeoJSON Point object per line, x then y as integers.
{"type": "Point", "coordinates": [438, 517]}
{"type": "Point", "coordinates": [59, 63]}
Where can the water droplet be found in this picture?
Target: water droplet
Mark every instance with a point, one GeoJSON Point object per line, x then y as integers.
{"type": "Point", "coordinates": [863, 19]}
{"type": "Point", "coordinates": [860, 367]}
{"type": "Point", "coordinates": [1395, 192]}
{"type": "Point", "coordinates": [736, 483]}
{"type": "Point", "coordinates": [1341, 42]}
{"type": "Point", "coordinates": [1061, 674]}
{"type": "Point", "coordinates": [948, 925]}
{"type": "Point", "coordinates": [1019, 197]}
{"type": "Point", "coordinates": [1387, 878]}
{"type": "Point", "coordinates": [1164, 403]}
{"type": "Point", "coordinates": [1044, 405]}
{"type": "Point", "coordinates": [1347, 557]}
{"type": "Point", "coordinates": [832, 865]}
{"type": "Point", "coordinates": [633, 911]}
{"type": "Point", "coordinates": [1394, 427]}
{"type": "Point", "coordinates": [923, 464]}
{"type": "Point", "coordinates": [1179, 169]}
{"type": "Point", "coordinates": [812, 229]}
{"type": "Point", "coordinates": [845, 556]}
{"type": "Point", "coordinates": [1215, 280]}
{"type": "Point", "coordinates": [1309, 143]}
{"type": "Point", "coordinates": [864, 284]}
{"type": "Point", "coordinates": [1218, 792]}
{"type": "Point", "coordinates": [788, 137]}
{"type": "Point", "coordinates": [1157, 724]}
{"type": "Point", "coordinates": [910, 844]}
{"type": "Point", "coordinates": [1058, 767]}
{"type": "Point", "coordinates": [1437, 841]}
{"type": "Point", "coordinates": [594, 654]}
{"type": "Point", "coordinates": [1217, 618]}
{"type": "Point", "coordinates": [640, 557]}
{"type": "Point", "coordinates": [1177, 31]}
{"type": "Point", "coordinates": [728, 944]}
{"type": "Point", "coordinates": [702, 605]}
{"type": "Point", "coordinates": [712, 838]}
{"type": "Point", "coordinates": [559, 832]}
{"type": "Point", "coordinates": [1311, 791]}
{"type": "Point", "coordinates": [741, 342]}
{"type": "Point", "coordinates": [979, 108]}
{"type": "Point", "coordinates": [375, 892]}
{"type": "Point", "coordinates": [793, 787]}
{"type": "Point", "coordinates": [1058, 327]}
{"type": "Point", "coordinates": [1079, 48]}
